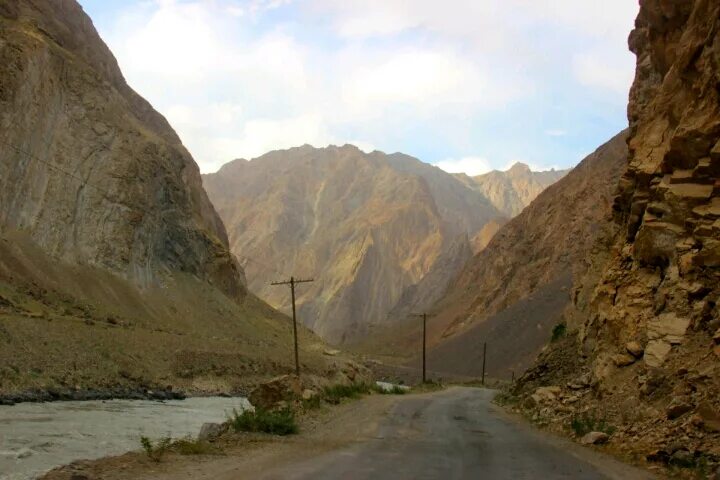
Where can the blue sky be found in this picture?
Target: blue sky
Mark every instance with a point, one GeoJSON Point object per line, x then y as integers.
{"type": "Point", "coordinates": [468, 85]}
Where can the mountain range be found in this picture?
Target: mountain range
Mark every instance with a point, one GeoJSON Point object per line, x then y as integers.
{"type": "Point", "coordinates": [379, 233]}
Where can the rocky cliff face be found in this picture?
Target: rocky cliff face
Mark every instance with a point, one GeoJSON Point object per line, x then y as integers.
{"type": "Point", "coordinates": [514, 189]}
{"type": "Point", "coordinates": [647, 318]}
{"type": "Point", "coordinates": [365, 226]}
{"type": "Point", "coordinates": [115, 270]}
{"type": "Point", "coordinates": [88, 167]}
{"type": "Point", "coordinates": [549, 240]}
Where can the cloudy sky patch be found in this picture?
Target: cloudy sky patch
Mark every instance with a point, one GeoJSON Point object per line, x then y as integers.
{"type": "Point", "coordinates": [468, 85]}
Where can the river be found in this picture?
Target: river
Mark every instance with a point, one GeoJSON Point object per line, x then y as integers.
{"type": "Point", "coordinates": [35, 437]}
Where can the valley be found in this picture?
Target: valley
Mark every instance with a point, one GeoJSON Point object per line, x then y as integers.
{"type": "Point", "coordinates": [562, 298]}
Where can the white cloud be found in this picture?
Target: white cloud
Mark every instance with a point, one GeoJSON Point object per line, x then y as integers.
{"type": "Point", "coordinates": [236, 83]}
{"type": "Point", "coordinates": [260, 136]}
{"type": "Point", "coordinates": [469, 165]}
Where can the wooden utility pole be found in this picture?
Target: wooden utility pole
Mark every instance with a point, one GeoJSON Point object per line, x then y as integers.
{"type": "Point", "coordinates": [424, 342]}
{"type": "Point", "coordinates": [292, 282]}
{"type": "Point", "coordinates": [483, 370]}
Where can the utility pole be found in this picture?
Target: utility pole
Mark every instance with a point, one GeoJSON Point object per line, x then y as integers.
{"type": "Point", "coordinates": [483, 370]}
{"type": "Point", "coordinates": [292, 282]}
{"type": "Point", "coordinates": [424, 342]}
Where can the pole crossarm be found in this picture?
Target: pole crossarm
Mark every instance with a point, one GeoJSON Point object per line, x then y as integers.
{"type": "Point", "coordinates": [288, 282]}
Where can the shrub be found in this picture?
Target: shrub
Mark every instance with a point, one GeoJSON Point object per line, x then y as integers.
{"type": "Point", "coordinates": [558, 331]}
{"type": "Point", "coordinates": [155, 452]}
{"type": "Point", "coordinates": [275, 422]}
{"type": "Point", "coordinates": [335, 393]}
{"type": "Point", "coordinates": [586, 423]}
{"type": "Point", "coordinates": [191, 446]}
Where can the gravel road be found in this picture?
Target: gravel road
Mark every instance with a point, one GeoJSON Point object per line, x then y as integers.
{"type": "Point", "coordinates": [455, 434]}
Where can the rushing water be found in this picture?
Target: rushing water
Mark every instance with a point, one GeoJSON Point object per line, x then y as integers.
{"type": "Point", "coordinates": [35, 437]}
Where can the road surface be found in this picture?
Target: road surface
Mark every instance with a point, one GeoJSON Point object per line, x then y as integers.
{"type": "Point", "coordinates": [450, 434]}
{"type": "Point", "coordinates": [454, 434]}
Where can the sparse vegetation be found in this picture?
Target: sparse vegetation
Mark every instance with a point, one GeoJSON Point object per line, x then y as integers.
{"type": "Point", "coordinates": [155, 451]}
{"type": "Point", "coordinates": [312, 403]}
{"type": "Point", "coordinates": [588, 422]}
{"type": "Point", "coordinates": [558, 331]}
{"type": "Point", "coordinates": [191, 446]}
{"type": "Point", "coordinates": [275, 422]}
{"type": "Point", "coordinates": [505, 398]}
{"type": "Point", "coordinates": [336, 393]}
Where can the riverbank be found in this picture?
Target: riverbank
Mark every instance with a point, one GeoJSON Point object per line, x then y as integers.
{"type": "Point", "coordinates": [37, 437]}
{"type": "Point", "coordinates": [321, 429]}
{"type": "Point", "coordinates": [118, 393]}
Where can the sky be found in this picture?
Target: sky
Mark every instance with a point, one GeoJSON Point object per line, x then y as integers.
{"type": "Point", "coordinates": [467, 85]}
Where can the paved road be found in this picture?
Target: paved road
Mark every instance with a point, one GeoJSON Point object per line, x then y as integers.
{"type": "Point", "coordinates": [454, 434]}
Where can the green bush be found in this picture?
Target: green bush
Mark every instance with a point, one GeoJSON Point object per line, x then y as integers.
{"type": "Point", "coordinates": [191, 446]}
{"type": "Point", "coordinates": [558, 331]}
{"type": "Point", "coordinates": [275, 422]}
{"type": "Point", "coordinates": [586, 423]}
{"type": "Point", "coordinates": [155, 452]}
{"type": "Point", "coordinates": [335, 393]}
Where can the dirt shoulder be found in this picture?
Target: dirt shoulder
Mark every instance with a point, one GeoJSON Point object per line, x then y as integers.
{"type": "Point", "coordinates": [245, 455]}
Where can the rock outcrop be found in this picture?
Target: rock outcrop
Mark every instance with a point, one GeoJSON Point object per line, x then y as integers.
{"type": "Point", "coordinates": [115, 271]}
{"type": "Point", "coordinates": [512, 190]}
{"type": "Point", "coordinates": [66, 117]}
{"type": "Point", "coordinates": [653, 290]}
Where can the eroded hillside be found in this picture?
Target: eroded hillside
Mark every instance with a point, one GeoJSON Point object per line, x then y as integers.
{"type": "Point", "coordinates": [365, 226]}
{"type": "Point", "coordinates": [115, 269]}
{"type": "Point", "coordinates": [512, 292]}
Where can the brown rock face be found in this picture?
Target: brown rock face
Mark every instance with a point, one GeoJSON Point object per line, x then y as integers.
{"type": "Point", "coordinates": [513, 190]}
{"type": "Point", "coordinates": [657, 284]}
{"type": "Point", "coordinates": [87, 167]}
{"type": "Point", "coordinates": [515, 290]}
{"type": "Point", "coordinates": [367, 227]}
{"type": "Point", "coordinates": [115, 272]}
{"type": "Point", "coordinates": [662, 281]}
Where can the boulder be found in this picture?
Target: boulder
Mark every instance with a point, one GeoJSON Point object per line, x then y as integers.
{"type": "Point", "coordinates": [682, 458]}
{"type": "Point", "coordinates": [546, 394]}
{"type": "Point", "coordinates": [709, 416]}
{"type": "Point", "coordinates": [677, 409]}
{"type": "Point", "coordinates": [211, 431]}
{"type": "Point", "coordinates": [634, 349]}
{"type": "Point", "coordinates": [269, 394]}
{"type": "Point", "coordinates": [655, 352]}
{"type": "Point", "coordinates": [716, 337]}
{"type": "Point", "coordinates": [668, 327]}
{"type": "Point", "coordinates": [623, 359]}
{"type": "Point", "coordinates": [595, 438]}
